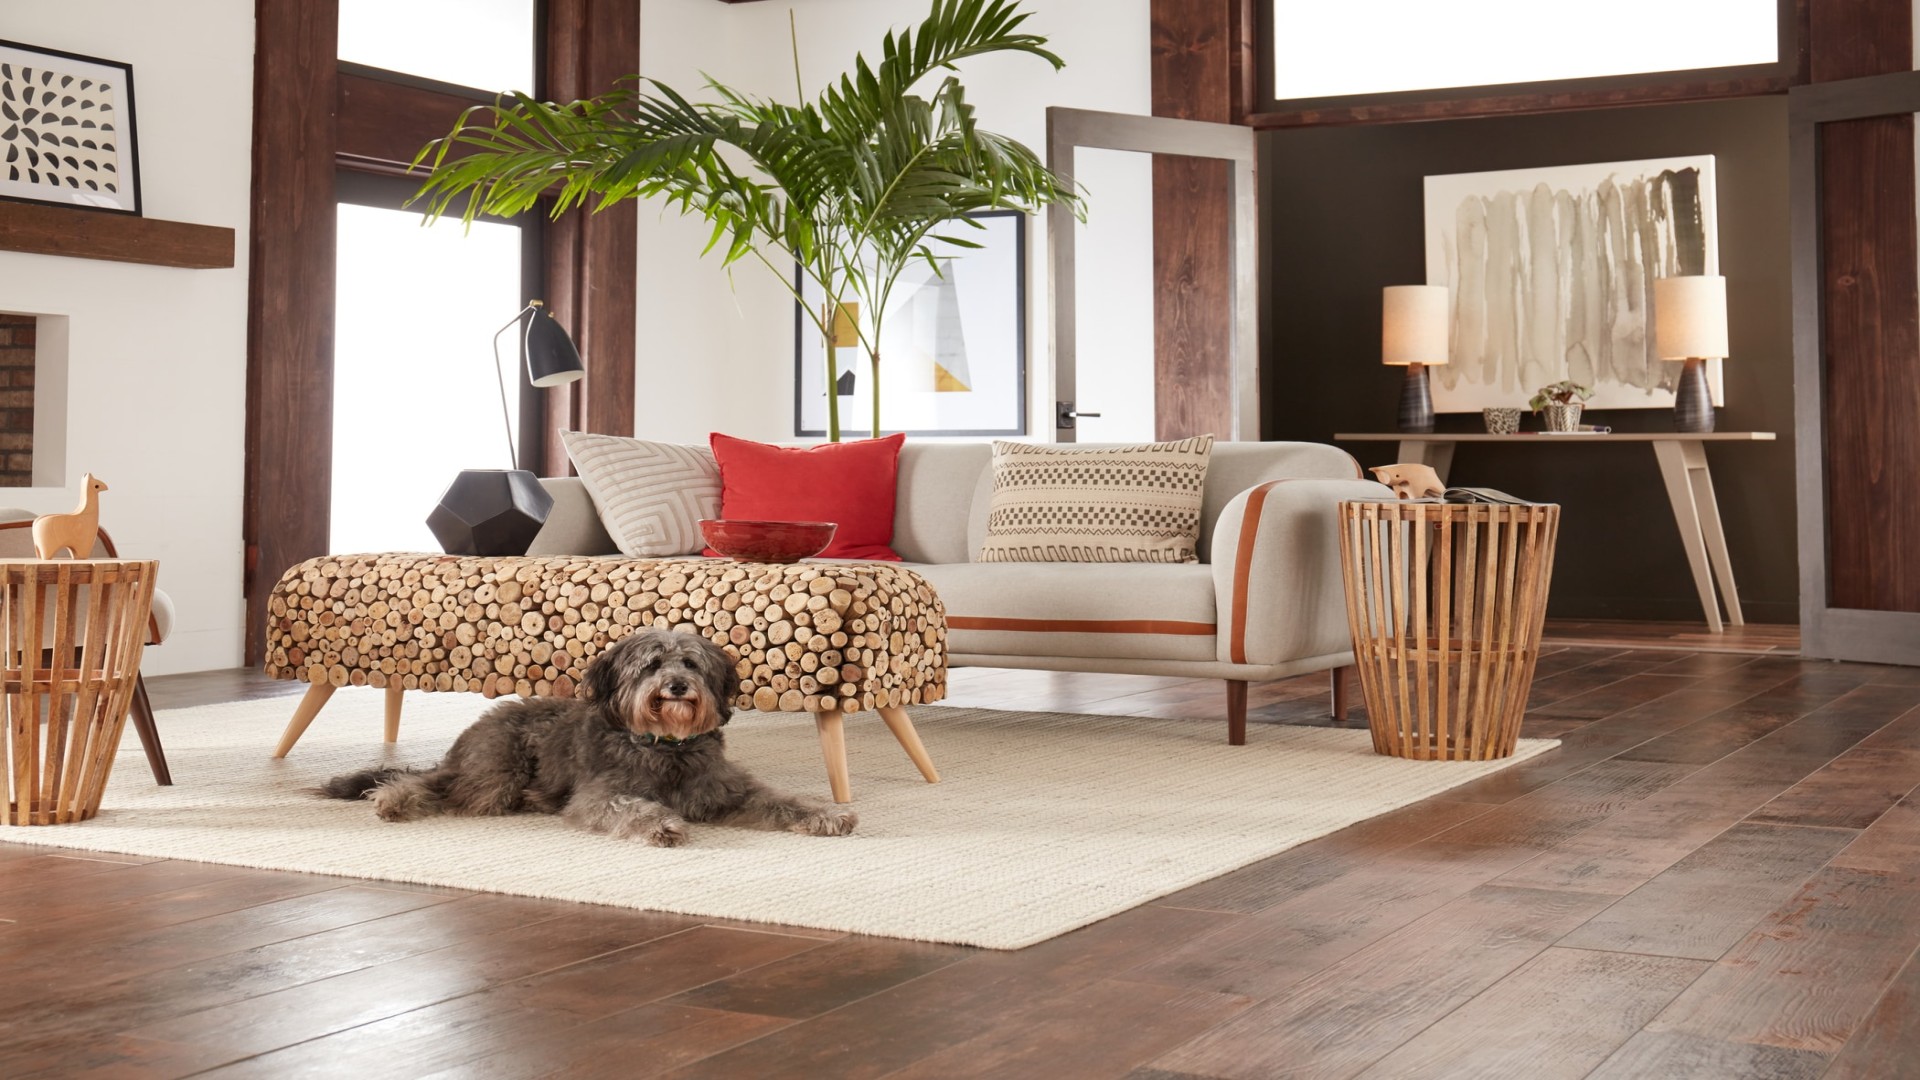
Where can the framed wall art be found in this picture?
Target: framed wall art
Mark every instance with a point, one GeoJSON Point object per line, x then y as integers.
{"type": "Point", "coordinates": [1552, 272]}
{"type": "Point", "coordinates": [954, 358]}
{"type": "Point", "coordinates": [67, 130]}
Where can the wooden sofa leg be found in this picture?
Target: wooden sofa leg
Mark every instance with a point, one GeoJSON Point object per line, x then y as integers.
{"type": "Point", "coordinates": [1342, 677]}
{"type": "Point", "coordinates": [310, 706]}
{"type": "Point", "coordinates": [1236, 712]}
{"type": "Point", "coordinates": [142, 714]}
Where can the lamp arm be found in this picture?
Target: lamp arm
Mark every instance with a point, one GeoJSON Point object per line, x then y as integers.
{"type": "Point", "coordinates": [506, 417]}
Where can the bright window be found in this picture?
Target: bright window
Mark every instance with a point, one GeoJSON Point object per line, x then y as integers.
{"type": "Point", "coordinates": [1323, 49]}
{"type": "Point", "coordinates": [484, 44]}
{"type": "Point", "coordinates": [415, 399]}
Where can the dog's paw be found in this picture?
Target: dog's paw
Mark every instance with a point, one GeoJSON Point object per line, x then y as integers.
{"type": "Point", "coordinates": [828, 821]}
{"type": "Point", "coordinates": [390, 805]}
{"type": "Point", "coordinates": [669, 833]}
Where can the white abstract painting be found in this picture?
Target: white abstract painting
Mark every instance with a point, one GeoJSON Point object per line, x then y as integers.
{"type": "Point", "coordinates": [1552, 272]}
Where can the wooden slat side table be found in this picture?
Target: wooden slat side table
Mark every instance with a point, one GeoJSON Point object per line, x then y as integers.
{"type": "Point", "coordinates": [1446, 603]}
{"type": "Point", "coordinates": [71, 635]}
{"type": "Point", "coordinates": [1683, 467]}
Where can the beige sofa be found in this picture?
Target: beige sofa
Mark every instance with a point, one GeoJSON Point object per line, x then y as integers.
{"type": "Point", "coordinates": [1265, 604]}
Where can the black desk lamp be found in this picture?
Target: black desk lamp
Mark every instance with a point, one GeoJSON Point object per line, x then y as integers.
{"type": "Point", "coordinates": [500, 511]}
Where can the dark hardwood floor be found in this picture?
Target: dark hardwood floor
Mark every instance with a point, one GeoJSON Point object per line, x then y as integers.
{"type": "Point", "coordinates": [1717, 875]}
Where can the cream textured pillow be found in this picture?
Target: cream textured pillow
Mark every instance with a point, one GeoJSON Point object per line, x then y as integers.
{"type": "Point", "coordinates": [1097, 505]}
{"type": "Point", "coordinates": [651, 496]}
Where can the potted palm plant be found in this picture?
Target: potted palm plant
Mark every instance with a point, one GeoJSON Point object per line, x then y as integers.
{"type": "Point", "coordinates": [852, 186]}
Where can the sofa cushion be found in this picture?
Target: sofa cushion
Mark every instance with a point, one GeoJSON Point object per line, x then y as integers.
{"type": "Point", "coordinates": [850, 484]}
{"type": "Point", "coordinates": [651, 496]}
{"type": "Point", "coordinates": [1116, 610]}
{"type": "Point", "coordinates": [1097, 505]}
{"type": "Point", "coordinates": [934, 507]}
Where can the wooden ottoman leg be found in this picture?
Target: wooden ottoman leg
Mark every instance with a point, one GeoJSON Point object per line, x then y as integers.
{"type": "Point", "coordinates": [1341, 685]}
{"type": "Point", "coordinates": [394, 692]}
{"type": "Point", "coordinates": [310, 706]}
{"type": "Point", "coordinates": [833, 746]}
{"type": "Point", "coordinates": [902, 727]}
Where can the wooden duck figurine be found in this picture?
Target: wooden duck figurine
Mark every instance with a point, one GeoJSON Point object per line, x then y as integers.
{"type": "Point", "coordinates": [1411, 481]}
{"type": "Point", "coordinates": [76, 532]}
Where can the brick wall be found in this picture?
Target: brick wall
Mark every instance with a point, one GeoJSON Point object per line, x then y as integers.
{"type": "Point", "coordinates": [16, 400]}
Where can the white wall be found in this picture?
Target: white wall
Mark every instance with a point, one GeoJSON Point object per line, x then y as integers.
{"type": "Point", "coordinates": [715, 355]}
{"type": "Point", "coordinates": [157, 356]}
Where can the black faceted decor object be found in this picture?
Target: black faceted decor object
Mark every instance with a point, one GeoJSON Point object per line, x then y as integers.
{"type": "Point", "coordinates": [490, 512]}
{"type": "Point", "coordinates": [1692, 400]}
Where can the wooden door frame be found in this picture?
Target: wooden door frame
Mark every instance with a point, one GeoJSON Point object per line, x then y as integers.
{"type": "Point", "coordinates": [1886, 637]}
{"type": "Point", "coordinates": [1071, 129]}
{"type": "Point", "coordinates": [312, 116]}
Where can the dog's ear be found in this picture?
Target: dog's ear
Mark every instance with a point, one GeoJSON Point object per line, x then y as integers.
{"type": "Point", "coordinates": [717, 666]}
{"type": "Point", "coordinates": [603, 675]}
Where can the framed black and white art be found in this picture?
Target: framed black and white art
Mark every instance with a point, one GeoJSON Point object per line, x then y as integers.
{"type": "Point", "coordinates": [66, 130]}
{"type": "Point", "coordinates": [953, 359]}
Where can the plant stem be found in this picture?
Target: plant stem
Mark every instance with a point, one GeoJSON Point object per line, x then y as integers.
{"type": "Point", "coordinates": [875, 356]}
{"type": "Point", "coordinates": [833, 379]}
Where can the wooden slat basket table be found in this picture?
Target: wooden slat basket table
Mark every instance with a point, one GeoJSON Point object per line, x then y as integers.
{"type": "Point", "coordinates": [71, 635]}
{"type": "Point", "coordinates": [1446, 602]}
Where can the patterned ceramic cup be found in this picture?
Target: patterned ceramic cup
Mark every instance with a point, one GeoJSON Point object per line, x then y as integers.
{"type": "Point", "coordinates": [1502, 421]}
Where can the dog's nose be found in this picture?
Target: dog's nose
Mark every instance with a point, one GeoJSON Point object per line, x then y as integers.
{"type": "Point", "coordinates": [678, 688]}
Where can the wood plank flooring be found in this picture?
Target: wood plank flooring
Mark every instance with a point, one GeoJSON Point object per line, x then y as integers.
{"type": "Point", "coordinates": [1716, 875]}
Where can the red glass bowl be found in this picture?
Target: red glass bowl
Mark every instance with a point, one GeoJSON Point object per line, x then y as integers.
{"type": "Point", "coordinates": [767, 541]}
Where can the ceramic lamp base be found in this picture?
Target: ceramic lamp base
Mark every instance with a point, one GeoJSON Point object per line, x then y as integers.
{"type": "Point", "coordinates": [1416, 401]}
{"type": "Point", "coordinates": [1692, 401]}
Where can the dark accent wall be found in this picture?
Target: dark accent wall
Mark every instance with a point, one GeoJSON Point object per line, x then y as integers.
{"type": "Point", "coordinates": [1342, 215]}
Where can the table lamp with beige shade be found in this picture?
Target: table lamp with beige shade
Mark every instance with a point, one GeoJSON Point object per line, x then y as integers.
{"type": "Point", "coordinates": [1414, 321]}
{"type": "Point", "coordinates": [1690, 324]}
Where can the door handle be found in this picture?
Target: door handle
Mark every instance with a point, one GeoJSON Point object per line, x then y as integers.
{"type": "Point", "coordinates": [1064, 415]}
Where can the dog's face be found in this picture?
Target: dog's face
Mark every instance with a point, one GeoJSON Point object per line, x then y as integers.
{"type": "Point", "coordinates": [658, 682]}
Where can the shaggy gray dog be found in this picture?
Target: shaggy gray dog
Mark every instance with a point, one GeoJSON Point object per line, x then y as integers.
{"type": "Point", "coordinates": [640, 753]}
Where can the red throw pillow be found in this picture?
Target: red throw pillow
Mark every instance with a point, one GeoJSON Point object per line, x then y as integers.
{"type": "Point", "coordinates": [850, 484]}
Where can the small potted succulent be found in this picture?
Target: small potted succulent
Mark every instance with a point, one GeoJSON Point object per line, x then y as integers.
{"type": "Point", "coordinates": [1560, 403]}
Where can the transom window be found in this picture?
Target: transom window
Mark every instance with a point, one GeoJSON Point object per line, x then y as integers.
{"type": "Point", "coordinates": [1360, 47]}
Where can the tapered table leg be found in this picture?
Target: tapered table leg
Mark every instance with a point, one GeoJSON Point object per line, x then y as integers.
{"type": "Point", "coordinates": [902, 727]}
{"type": "Point", "coordinates": [1709, 509]}
{"type": "Point", "coordinates": [833, 747]}
{"type": "Point", "coordinates": [1686, 515]}
{"type": "Point", "coordinates": [310, 706]}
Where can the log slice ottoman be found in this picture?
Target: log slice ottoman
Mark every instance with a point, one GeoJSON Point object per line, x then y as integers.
{"type": "Point", "coordinates": [826, 638]}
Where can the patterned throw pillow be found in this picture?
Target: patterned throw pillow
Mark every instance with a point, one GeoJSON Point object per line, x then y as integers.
{"type": "Point", "coordinates": [1096, 505]}
{"type": "Point", "coordinates": [651, 496]}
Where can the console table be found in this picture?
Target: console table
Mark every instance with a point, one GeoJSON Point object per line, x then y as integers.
{"type": "Point", "coordinates": [1683, 465]}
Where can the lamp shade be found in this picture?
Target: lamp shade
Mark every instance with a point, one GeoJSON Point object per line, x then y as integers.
{"type": "Point", "coordinates": [1690, 317]}
{"type": "Point", "coordinates": [1413, 324]}
{"type": "Point", "coordinates": [551, 358]}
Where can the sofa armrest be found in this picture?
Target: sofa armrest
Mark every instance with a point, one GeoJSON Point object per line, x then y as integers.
{"type": "Point", "coordinates": [573, 527]}
{"type": "Point", "coordinates": [1276, 570]}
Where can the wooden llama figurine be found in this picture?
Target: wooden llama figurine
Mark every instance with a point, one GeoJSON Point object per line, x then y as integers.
{"type": "Point", "coordinates": [76, 532]}
{"type": "Point", "coordinates": [1411, 481]}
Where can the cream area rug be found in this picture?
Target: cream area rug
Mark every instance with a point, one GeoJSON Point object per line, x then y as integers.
{"type": "Point", "coordinates": [1044, 822]}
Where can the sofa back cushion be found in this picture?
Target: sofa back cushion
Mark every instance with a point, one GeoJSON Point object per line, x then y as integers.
{"type": "Point", "coordinates": [1078, 504]}
{"type": "Point", "coordinates": [933, 517]}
